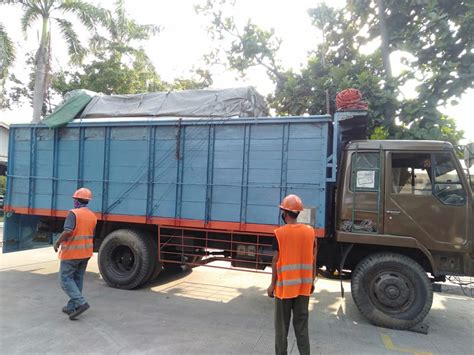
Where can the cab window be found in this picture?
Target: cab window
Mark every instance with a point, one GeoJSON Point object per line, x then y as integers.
{"type": "Point", "coordinates": [411, 174]}
{"type": "Point", "coordinates": [427, 174]}
{"type": "Point", "coordinates": [448, 187]}
{"type": "Point", "coordinates": [365, 172]}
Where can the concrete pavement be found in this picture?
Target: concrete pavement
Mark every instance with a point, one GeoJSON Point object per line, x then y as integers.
{"type": "Point", "coordinates": [205, 311]}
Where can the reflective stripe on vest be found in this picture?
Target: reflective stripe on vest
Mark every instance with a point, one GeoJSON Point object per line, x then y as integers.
{"type": "Point", "coordinates": [295, 282]}
{"type": "Point", "coordinates": [296, 267]}
{"type": "Point", "coordinates": [77, 247]}
{"type": "Point", "coordinates": [295, 260]}
{"type": "Point", "coordinates": [81, 243]}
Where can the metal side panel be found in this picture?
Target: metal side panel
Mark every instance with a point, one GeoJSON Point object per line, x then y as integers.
{"type": "Point", "coordinates": [127, 171]}
{"type": "Point", "coordinates": [228, 185]}
{"type": "Point", "coordinates": [206, 171]}
{"type": "Point", "coordinates": [67, 167]}
{"type": "Point", "coordinates": [165, 167]}
{"type": "Point", "coordinates": [41, 190]}
{"type": "Point", "coordinates": [93, 164]}
{"type": "Point", "coordinates": [194, 173]}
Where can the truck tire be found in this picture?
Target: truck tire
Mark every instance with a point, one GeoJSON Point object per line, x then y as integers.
{"type": "Point", "coordinates": [158, 264]}
{"type": "Point", "coordinates": [391, 290]}
{"type": "Point", "coordinates": [126, 259]}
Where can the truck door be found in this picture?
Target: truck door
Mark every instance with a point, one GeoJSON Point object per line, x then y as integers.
{"type": "Point", "coordinates": [426, 198]}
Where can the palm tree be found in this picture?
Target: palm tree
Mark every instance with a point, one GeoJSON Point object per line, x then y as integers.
{"type": "Point", "coordinates": [7, 56]}
{"type": "Point", "coordinates": [122, 32]}
{"type": "Point", "coordinates": [48, 12]}
{"type": "Point", "coordinates": [7, 52]}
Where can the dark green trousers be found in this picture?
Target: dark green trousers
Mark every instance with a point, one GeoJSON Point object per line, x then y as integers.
{"type": "Point", "coordinates": [283, 310]}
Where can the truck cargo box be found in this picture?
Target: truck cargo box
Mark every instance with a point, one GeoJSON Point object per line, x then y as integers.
{"type": "Point", "coordinates": [208, 173]}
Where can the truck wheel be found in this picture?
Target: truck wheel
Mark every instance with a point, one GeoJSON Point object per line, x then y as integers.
{"type": "Point", "coordinates": [126, 259]}
{"type": "Point", "coordinates": [391, 290]}
{"type": "Point", "coordinates": [158, 265]}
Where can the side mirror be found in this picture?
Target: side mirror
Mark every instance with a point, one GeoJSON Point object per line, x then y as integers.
{"type": "Point", "coordinates": [469, 155]}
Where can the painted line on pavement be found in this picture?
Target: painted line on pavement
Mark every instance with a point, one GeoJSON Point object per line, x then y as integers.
{"type": "Point", "coordinates": [389, 345]}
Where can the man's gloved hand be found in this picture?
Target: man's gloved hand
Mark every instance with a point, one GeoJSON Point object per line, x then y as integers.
{"type": "Point", "coordinates": [56, 247]}
{"type": "Point", "coordinates": [312, 288]}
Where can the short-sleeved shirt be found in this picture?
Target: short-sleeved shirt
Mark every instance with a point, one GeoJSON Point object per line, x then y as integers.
{"type": "Point", "coordinates": [275, 246]}
{"type": "Point", "coordinates": [70, 222]}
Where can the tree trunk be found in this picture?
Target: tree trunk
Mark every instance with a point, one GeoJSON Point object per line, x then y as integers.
{"type": "Point", "coordinates": [41, 71]}
{"type": "Point", "coordinates": [390, 108]}
{"type": "Point", "coordinates": [385, 39]}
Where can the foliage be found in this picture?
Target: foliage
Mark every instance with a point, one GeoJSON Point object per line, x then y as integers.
{"type": "Point", "coordinates": [200, 80]}
{"type": "Point", "coordinates": [111, 76]}
{"type": "Point", "coordinates": [7, 52]}
{"type": "Point", "coordinates": [121, 33]}
{"type": "Point", "coordinates": [436, 32]}
{"type": "Point", "coordinates": [305, 92]}
{"type": "Point", "coordinates": [248, 47]}
{"type": "Point", "coordinates": [3, 184]}
{"type": "Point", "coordinates": [56, 12]}
{"type": "Point", "coordinates": [119, 65]}
{"type": "Point", "coordinates": [7, 56]}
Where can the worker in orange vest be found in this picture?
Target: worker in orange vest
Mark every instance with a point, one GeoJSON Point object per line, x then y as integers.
{"type": "Point", "coordinates": [75, 245]}
{"type": "Point", "coordinates": [293, 274]}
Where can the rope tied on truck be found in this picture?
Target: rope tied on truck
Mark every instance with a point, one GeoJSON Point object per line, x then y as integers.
{"type": "Point", "coordinates": [350, 99]}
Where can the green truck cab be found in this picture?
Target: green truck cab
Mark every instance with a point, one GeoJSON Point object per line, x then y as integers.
{"type": "Point", "coordinates": [404, 209]}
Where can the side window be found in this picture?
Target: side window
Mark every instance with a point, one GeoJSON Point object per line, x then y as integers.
{"type": "Point", "coordinates": [411, 174]}
{"type": "Point", "coordinates": [448, 187]}
{"type": "Point", "coordinates": [427, 174]}
{"type": "Point", "coordinates": [365, 172]}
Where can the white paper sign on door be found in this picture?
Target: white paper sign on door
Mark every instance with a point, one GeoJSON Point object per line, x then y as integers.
{"type": "Point", "coordinates": [365, 179]}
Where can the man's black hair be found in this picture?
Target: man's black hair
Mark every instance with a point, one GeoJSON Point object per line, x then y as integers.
{"type": "Point", "coordinates": [82, 202]}
{"type": "Point", "coordinates": [292, 214]}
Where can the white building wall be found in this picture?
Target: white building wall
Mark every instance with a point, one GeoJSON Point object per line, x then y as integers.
{"type": "Point", "coordinates": [3, 143]}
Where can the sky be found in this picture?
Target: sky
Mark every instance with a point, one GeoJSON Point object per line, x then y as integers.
{"type": "Point", "coordinates": [183, 41]}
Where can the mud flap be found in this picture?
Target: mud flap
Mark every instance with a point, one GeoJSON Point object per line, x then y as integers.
{"type": "Point", "coordinates": [341, 266]}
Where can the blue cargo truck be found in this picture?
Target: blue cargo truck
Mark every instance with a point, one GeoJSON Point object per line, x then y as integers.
{"type": "Point", "coordinates": [192, 190]}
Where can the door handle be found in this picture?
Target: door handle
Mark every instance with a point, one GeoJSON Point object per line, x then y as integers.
{"type": "Point", "coordinates": [394, 212]}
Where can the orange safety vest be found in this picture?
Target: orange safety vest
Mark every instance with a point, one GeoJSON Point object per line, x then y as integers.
{"type": "Point", "coordinates": [81, 243]}
{"type": "Point", "coordinates": [295, 260]}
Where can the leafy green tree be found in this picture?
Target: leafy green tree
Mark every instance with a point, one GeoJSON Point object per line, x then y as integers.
{"type": "Point", "coordinates": [7, 52]}
{"type": "Point", "coordinates": [201, 79]}
{"type": "Point", "coordinates": [121, 34]}
{"type": "Point", "coordinates": [337, 63]}
{"type": "Point", "coordinates": [333, 66]}
{"type": "Point", "coordinates": [3, 184]}
{"type": "Point", "coordinates": [120, 66]}
{"type": "Point", "coordinates": [48, 12]}
{"type": "Point", "coordinates": [242, 48]}
{"type": "Point", "coordinates": [111, 76]}
{"type": "Point", "coordinates": [7, 57]}
{"type": "Point", "coordinates": [438, 34]}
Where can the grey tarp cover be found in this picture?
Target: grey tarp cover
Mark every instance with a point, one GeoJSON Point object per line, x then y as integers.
{"type": "Point", "coordinates": [235, 102]}
{"type": "Point", "coordinates": [238, 102]}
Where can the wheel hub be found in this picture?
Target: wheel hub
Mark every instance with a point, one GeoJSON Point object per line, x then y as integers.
{"type": "Point", "coordinates": [391, 290]}
{"type": "Point", "coordinates": [123, 258]}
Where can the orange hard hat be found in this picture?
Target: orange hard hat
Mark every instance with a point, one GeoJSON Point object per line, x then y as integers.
{"type": "Point", "coordinates": [83, 194]}
{"type": "Point", "coordinates": [292, 203]}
